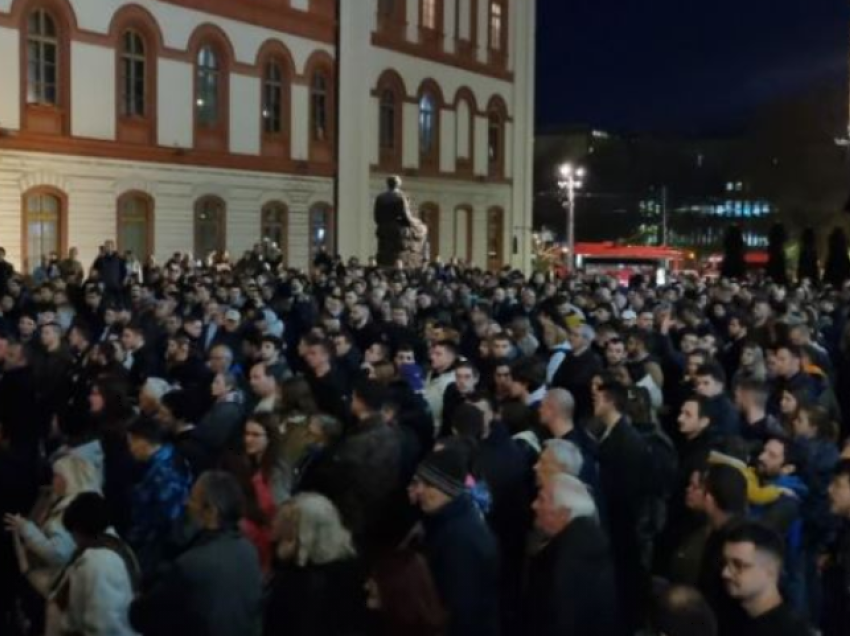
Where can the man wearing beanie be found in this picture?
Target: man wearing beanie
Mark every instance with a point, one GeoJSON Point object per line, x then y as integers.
{"type": "Point", "coordinates": [458, 545]}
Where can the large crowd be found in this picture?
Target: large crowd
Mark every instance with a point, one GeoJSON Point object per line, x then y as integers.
{"type": "Point", "coordinates": [236, 448]}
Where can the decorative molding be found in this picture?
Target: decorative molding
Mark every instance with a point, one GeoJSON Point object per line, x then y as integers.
{"type": "Point", "coordinates": [42, 179]}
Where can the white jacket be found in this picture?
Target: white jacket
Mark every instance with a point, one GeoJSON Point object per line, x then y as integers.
{"type": "Point", "coordinates": [47, 548]}
{"type": "Point", "coordinates": [100, 595]}
{"type": "Point", "coordinates": [435, 390]}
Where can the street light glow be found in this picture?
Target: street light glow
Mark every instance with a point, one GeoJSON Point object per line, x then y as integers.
{"type": "Point", "coordinates": [566, 170]}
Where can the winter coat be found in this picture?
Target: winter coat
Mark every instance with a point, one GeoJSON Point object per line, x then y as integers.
{"type": "Point", "coordinates": [361, 476]}
{"type": "Point", "coordinates": [571, 587]}
{"type": "Point", "coordinates": [100, 592]}
{"type": "Point", "coordinates": [158, 501]}
{"type": "Point", "coordinates": [574, 375]}
{"type": "Point", "coordinates": [222, 424]}
{"type": "Point", "coordinates": [723, 416]}
{"type": "Point", "coordinates": [49, 546]}
{"type": "Point", "coordinates": [214, 588]}
{"type": "Point", "coordinates": [463, 557]}
{"type": "Point", "coordinates": [298, 599]}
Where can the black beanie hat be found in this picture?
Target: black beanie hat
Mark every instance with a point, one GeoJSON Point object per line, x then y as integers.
{"type": "Point", "coordinates": [446, 468]}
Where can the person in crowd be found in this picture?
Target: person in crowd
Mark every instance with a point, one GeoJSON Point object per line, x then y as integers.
{"type": "Point", "coordinates": [214, 586]}
{"type": "Point", "coordinates": [572, 585]}
{"type": "Point", "coordinates": [265, 389]}
{"type": "Point", "coordinates": [402, 595]}
{"type": "Point", "coordinates": [578, 367]}
{"type": "Point", "coordinates": [679, 610]}
{"type": "Point", "coordinates": [752, 555]}
{"type": "Point", "coordinates": [461, 551]}
{"type": "Point", "coordinates": [466, 383]}
{"type": "Point", "coordinates": [159, 496]}
{"type": "Point", "coordinates": [711, 384]}
{"type": "Point", "coordinates": [96, 588]}
{"type": "Point", "coordinates": [443, 357]}
{"type": "Point", "coordinates": [316, 569]}
{"type": "Point", "coordinates": [624, 462]}
{"type": "Point", "coordinates": [44, 545]}
{"type": "Point", "coordinates": [557, 413]}
{"type": "Point", "coordinates": [836, 565]}
{"type": "Point", "coordinates": [220, 427]}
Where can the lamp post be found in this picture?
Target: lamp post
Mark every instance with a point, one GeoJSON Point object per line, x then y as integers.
{"type": "Point", "coordinates": [572, 179]}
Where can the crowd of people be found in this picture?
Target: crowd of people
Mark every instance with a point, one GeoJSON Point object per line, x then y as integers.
{"type": "Point", "coordinates": [232, 448]}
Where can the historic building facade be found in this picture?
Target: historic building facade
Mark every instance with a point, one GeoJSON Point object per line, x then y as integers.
{"type": "Point", "coordinates": [203, 125]}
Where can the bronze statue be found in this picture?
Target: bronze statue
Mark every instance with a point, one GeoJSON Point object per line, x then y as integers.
{"type": "Point", "coordinates": [401, 235]}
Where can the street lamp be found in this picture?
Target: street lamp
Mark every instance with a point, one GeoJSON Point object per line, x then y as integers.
{"type": "Point", "coordinates": [572, 179]}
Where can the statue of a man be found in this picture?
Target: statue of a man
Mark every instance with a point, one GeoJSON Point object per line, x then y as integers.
{"type": "Point", "coordinates": [401, 236]}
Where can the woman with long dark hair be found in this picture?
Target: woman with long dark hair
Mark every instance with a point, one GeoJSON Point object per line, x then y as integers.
{"type": "Point", "coordinates": [296, 407]}
{"type": "Point", "coordinates": [110, 413]}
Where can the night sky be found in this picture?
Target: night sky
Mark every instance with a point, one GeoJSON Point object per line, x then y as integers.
{"type": "Point", "coordinates": [682, 65]}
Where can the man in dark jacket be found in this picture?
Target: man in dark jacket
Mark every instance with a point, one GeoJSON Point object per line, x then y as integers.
{"type": "Point", "coordinates": [457, 544]}
{"type": "Point", "coordinates": [572, 587]}
{"type": "Point", "coordinates": [722, 414]}
{"type": "Point", "coordinates": [392, 214]}
{"type": "Point", "coordinates": [144, 362]}
{"type": "Point", "coordinates": [111, 269]}
{"type": "Point", "coordinates": [578, 368]}
{"type": "Point", "coordinates": [214, 588]}
{"type": "Point", "coordinates": [836, 575]}
{"type": "Point", "coordinates": [624, 462]}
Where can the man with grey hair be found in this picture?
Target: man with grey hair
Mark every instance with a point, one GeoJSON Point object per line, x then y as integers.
{"type": "Point", "coordinates": [578, 368]}
{"type": "Point", "coordinates": [571, 585]}
{"type": "Point", "coordinates": [215, 586]}
{"type": "Point", "coordinates": [559, 457]}
{"type": "Point", "coordinates": [557, 411]}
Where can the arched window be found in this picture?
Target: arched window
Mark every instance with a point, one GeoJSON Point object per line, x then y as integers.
{"type": "Point", "coordinates": [465, 109]}
{"type": "Point", "coordinates": [322, 230]}
{"type": "Point", "coordinates": [497, 32]}
{"type": "Point", "coordinates": [495, 145]}
{"type": "Point", "coordinates": [429, 14]}
{"type": "Point", "coordinates": [44, 226]}
{"type": "Point", "coordinates": [319, 87]}
{"type": "Point", "coordinates": [210, 226]}
{"type": "Point", "coordinates": [43, 59]}
{"type": "Point", "coordinates": [387, 123]}
{"type": "Point", "coordinates": [273, 93]}
{"type": "Point", "coordinates": [133, 79]}
{"type": "Point", "coordinates": [497, 25]}
{"type": "Point", "coordinates": [208, 87]}
{"type": "Point", "coordinates": [495, 239]}
{"type": "Point", "coordinates": [274, 225]}
{"type": "Point", "coordinates": [430, 215]}
{"type": "Point", "coordinates": [135, 224]}
{"type": "Point", "coordinates": [428, 128]}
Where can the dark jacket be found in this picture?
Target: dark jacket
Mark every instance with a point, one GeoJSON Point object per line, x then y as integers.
{"type": "Point", "coordinates": [623, 465]}
{"type": "Point", "coordinates": [298, 600]}
{"type": "Point", "coordinates": [571, 585]}
{"type": "Point", "coordinates": [463, 558]}
{"type": "Point", "coordinates": [724, 417]}
{"type": "Point", "coordinates": [361, 475]}
{"type": "Point", "coordinates": [222, 424]}
{"type": "Point", "coordinates": [575, 374]}
{"type": "Point", "coordinates": [146, 364]}
{"type": "Point", "coordinates": [214, 588]}
{"type": "Point", "coordinates": [836, 587]}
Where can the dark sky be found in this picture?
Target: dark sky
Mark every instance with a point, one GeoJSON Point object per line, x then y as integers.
{"type": "Point", "coordinates": [682, 65]}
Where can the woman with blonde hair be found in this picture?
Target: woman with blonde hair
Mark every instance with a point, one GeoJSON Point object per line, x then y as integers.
{"type": "Point", "coordinates": [317, 568]}
{"type": "Point", "coordinates": [43, 544]}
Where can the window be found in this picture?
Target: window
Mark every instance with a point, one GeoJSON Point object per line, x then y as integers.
{"type": "Point", "coordinates": [135, 229]}
{"type": "Point", "coordinates": [42, 59]}
{"type": "Point", "coordinates": [210, 235]}
{"type": "Point", "coordinates": [133, 75]}
{"type": "Point", "coordinates": [386, 9]}
{"type": "Point", "coordinates": [273, 91]}
{"type": "Point", "coordinates": [322, 238]}
{"type": "Point", "coordinates": [273, 225]}
{"type": "Point", "coordinates": [43, 227]}
{"type": "Point", "coordinates": [208, 87]}
{"type": "Point", "coordinates": [427, 125]}
{"type": "Point", "coordinates": [495, 239]}
{"type": "Point", "coordinates": [495, 149]}
{"type": "Point", "coordinates": [388, 120]}
{"type": "Point", "coordinates": [429, 14]}
{"type": "Point", "coordinates": [497, 26]}
{"type": "Point", "coordinates": [319, 106]}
